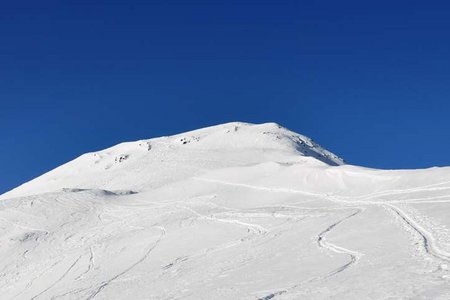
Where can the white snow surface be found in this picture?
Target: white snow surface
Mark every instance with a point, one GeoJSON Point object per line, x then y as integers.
{"type": "Point", "coordinates": [234, 211]}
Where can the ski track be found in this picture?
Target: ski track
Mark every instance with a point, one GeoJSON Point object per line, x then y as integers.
{"type": "Point", "coordinates": [430, 187]}
{"type": "Point", "coordinates": [354, 255]}
{"type": "Point", "coordinates": [104, 284]}
{"type": "Point", "coordinates": [256, 187]}
{"type": "Point", "coordinates": [322, 243]}
{"type": "Point", "coordinates": [429, 242]}
{"type": "Point", "coordinates": [91, 264]}
{"type": "Point", "coordinates": [255, 228]}
{"type": "Point", "coordinates": [29, 284]}
{"type": "Point", "coordinates": [58, 280]}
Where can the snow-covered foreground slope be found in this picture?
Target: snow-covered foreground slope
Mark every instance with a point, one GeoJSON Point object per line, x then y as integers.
{"type": "Point", "coordinates": [236, 211]}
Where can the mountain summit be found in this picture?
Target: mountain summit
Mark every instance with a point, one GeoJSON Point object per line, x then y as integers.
{"type": "Point", "coordinates": [151, 163]}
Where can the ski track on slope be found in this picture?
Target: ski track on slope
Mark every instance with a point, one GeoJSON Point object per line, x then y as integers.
{"type": "Point", "coordinates": [354, 255]}
{"type": "Point", "coordinates": [90, 266]}
{"type": "Point", "coordinates": [256, 187]}
{"type": "Point", "coordinates": [107, 282]}
{"type": "Point", "coordinates": [252, 227]}
{"type": "Point", "coordinates": [428, 240]}
{"type": "Point", "coordinates": [81, 276]}
{"type": "Point", "coordinates": [430, 187]}
{"type": "Point", "coordinates": [322, 243]}
{"type": "Point", "coordinates": [58, 280]}
{"type": "Point", "coordinates": [436, 199]}
{"type": "Point", "coordinates": [29, 284]}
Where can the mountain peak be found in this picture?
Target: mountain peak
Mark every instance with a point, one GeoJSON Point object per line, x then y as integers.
{"type": "Point", "coordinates": [266, 136]}
{"type": "Point", "coordinates": [148, 164]}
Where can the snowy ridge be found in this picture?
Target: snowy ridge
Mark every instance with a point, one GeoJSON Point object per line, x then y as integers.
{"type": "Point", "coordinates": [234, 211]}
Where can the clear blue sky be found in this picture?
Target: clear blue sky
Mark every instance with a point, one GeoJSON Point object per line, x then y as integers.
{"type": "Point", "coordinates": [369, 80]}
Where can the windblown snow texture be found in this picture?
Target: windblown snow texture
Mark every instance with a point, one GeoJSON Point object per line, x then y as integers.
{"type": "Point", "coordinates": [234, 211]}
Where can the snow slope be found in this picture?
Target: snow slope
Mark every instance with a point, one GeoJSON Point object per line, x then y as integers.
{"type": "Point", "coordinates": [235, 211]}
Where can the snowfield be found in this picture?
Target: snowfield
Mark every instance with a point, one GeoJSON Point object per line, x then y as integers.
{"type": "Point", "coordinates": [234, 211]}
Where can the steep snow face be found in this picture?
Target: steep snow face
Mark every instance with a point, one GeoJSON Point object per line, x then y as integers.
{"type": "Point", "coordinates": [147, 164]}
{"type": "Point", "coordinates": [234, 211]}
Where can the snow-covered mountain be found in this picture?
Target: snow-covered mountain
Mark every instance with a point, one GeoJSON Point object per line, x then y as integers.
{"type": "Point", "coordinates": [234, 211]}
{"type": "Point", "coordinates": [148, 164]}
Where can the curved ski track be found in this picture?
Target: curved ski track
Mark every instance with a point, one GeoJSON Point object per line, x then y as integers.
{"type": "Point", "coordinates": [354, 255]}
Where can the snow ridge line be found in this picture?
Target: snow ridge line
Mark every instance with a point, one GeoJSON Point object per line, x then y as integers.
{"type": "Point", "coordinates": [430, 187]}
{"type": "Point", "coordinates": [263, 188]}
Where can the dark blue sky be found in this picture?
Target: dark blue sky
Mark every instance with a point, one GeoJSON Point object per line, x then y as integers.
{"type": "Point", "coordinates": [369, 80]}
